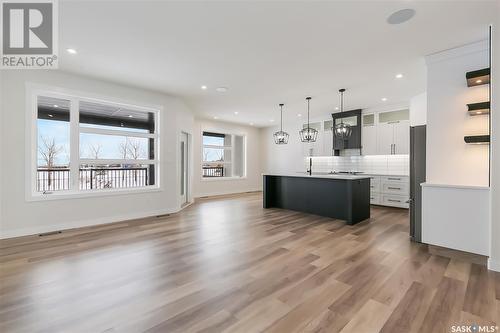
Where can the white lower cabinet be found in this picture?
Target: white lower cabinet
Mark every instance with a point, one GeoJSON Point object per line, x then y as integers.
{"type": "Point", "coordinates": [394, 200]}
{"type": "Point", "coordinates": [391, 191]}
{"type": "Point", "coordinates": [374, 198]}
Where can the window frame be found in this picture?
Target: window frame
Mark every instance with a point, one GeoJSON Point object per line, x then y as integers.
{"type": "Point", "coordinates": [75, 97]}
{"type": "Point", "coordinates": [230, 163]}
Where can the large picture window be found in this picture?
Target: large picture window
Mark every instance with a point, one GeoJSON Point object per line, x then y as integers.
{"type": "Point", "coordinates": [223, 155]}
{"type": "Point", "coordinates": [84, 145]}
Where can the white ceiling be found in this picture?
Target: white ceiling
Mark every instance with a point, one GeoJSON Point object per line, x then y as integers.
{"type": "Point", "coordinates": [266, 53]}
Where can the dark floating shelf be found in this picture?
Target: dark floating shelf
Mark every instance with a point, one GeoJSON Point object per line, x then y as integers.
{"type": "Point", "coordinates": [476, 109]}
{"type": "Point", "coordinates": [477, 78]}
{"type": "Point", "coordinates": [477, 139]}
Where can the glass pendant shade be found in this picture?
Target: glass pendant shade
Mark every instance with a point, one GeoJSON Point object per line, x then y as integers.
{"type": "Point", "coordinates": [281, 137]}
{"type": "Point", "coordinates": [308, 134]}
{"type": "Point", "coordinates": [342, 130]}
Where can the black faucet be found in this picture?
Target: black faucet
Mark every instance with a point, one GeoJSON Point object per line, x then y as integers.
{"type": "Point", "coordinates": [310, 171]}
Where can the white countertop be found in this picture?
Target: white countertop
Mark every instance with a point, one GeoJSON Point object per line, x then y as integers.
{"type": "Point", "coordinates": [318, 175]}
{"type": "Point", "coordinates": [385, 174]}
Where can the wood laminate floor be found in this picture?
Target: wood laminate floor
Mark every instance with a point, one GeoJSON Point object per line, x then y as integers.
{"type": "Point", "coordinates": [227, 265]}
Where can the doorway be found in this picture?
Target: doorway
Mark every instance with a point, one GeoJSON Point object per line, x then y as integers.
{"type": "Point", "coordinates": [184, 170]}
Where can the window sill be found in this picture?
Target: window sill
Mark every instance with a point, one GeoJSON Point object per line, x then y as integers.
{"type": "Point", "coordinates": [63, 195]}
{"type": "Point", "coordinates": [214, 179]}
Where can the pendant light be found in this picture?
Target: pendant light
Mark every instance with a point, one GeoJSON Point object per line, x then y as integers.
{"type": "Point", "coordinates": [308, 134]}
{"type": "Point", "coordinates": [280, 137]}
{"type": "Point", "coordinates": [342, 130]}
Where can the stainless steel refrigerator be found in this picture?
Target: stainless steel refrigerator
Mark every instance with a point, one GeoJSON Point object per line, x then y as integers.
{"type": "Point", "coordinates": [417, 177]}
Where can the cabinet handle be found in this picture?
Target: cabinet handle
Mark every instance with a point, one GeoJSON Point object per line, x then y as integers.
{"type": "Point", "coordinates": [393, 178]}
{"type": "Point", "coordinates": [394, 188]}
{"type": "Point", "coordinates": [394, 122]}
{"type": "Point", "coordinates": [391, 200]}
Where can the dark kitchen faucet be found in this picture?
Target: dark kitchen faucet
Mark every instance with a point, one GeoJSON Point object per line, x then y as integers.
{"type": "Point", "coordinates": [310, 171]}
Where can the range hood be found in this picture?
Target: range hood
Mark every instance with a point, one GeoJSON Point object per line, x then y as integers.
{"type": "Point", "coordinates": [353, 118]}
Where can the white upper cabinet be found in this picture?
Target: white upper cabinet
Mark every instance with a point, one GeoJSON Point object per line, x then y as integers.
{"type": "Point", "coordinates": [368, 134]}
{"type": "Point", "coordinates": [393, 132]}
{"type": "Point", "coordinates": [385, 139]}
{"type": "Point", "coordinates": [402, 137]}
{"type": "Point", "coordinates": [382, 133]}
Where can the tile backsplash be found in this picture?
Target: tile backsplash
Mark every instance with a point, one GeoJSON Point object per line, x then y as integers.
{"type": "Point", "coordinates": [371, 164]}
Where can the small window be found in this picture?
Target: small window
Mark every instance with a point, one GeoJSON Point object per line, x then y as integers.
{"type": "Point", "coordinates": [223, 155]}
{"type": "Point", "coordinates": [351, 121]}
{"type": "Point", "coordinates": [393, 116]}
{"type": "Point", "coordinates": [85, 145]}
{"type": "Point", "coordinates": [316, 126]}
{"type": "Point", "coordinates": [369, 119]}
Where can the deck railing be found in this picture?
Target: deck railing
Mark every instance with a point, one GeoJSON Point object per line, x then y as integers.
{"type": "Point", "coordinates": [213, 171]}
{"type": "Point", "coordinates": [57, 179]}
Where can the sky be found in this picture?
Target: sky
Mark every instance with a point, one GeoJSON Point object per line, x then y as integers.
{"type": "Point", "coordinates": [59, 132]}
{"type": "Point", "coordinates": [212, 154]}
{"type": "Point", "coordinates": [109, 144]}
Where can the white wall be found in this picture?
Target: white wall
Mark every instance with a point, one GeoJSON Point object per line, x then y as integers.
{"type": "Point", "coordinates": [217, 186]}
{"type": "Point", "coordinates": [21, 217]}
{"type": "Point", "coordinates": [494, 262]}
{"type": "Point", "coordinates": [449, 159]}
{"type": "Point", "coordinates": [418, 110]}
{"type": "Point", "coordinates": [282, 158]}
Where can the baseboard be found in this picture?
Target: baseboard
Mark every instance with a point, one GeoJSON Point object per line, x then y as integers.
{"type": "Point", "coordinates": [493, 265]}
{"type": "Point", "coordinates": [213, 194]}
{"type": "Point", "coordinates": [457, 254]}
{"type": "Point", "coordinates": [80, 224]}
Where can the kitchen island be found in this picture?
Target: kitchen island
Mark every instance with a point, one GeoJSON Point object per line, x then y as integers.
{"type": "Point", "coordinates": [344, 197]}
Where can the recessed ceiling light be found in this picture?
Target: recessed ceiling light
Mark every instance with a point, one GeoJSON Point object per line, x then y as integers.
{"type": "Point", "coordinates": [71, 51]}
{"type": "Point", "coordinates": [215, 117]}
{"type": "Point", "coordinates": [204, 87]}
{"type": "Point", "coordinates": [336, 108]}
{"type": "Point", "coordinates": [384, 99]}
{"type": "Point", "coordinates": [236, 112]}
{"type": "Point", "coordinates": [50, 116]}
{"type": "Point", "coordinates": [56, 106]}
{"type": "Point", "coordinates": [399, 76]}
{"type": "Point", "coordinates": [130, 116]}
{"type": "Point", "coordinates": [221, 89]}
{"type": "Point", "coordinates": [299, 115]}
{"type": "Point", "coordinates": [401, 16]}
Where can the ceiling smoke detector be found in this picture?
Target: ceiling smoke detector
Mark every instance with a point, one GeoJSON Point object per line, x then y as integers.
{"type": "Point", "coordinates": [221, 89]}
{"type": "Point", "coordinates": [401, 16]}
